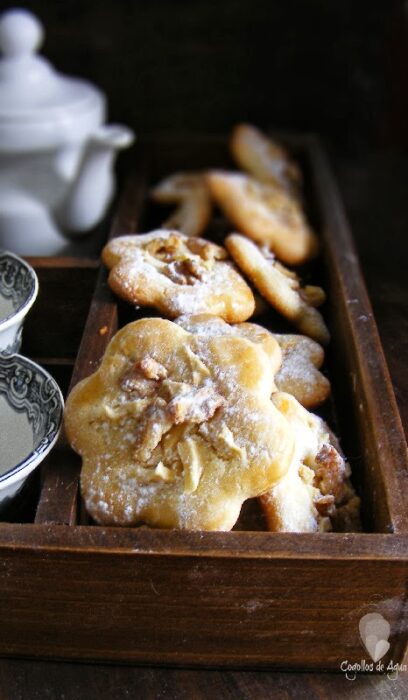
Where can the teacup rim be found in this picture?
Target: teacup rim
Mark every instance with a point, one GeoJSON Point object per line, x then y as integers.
{"type": "Point", "coordinates": [33, 458]}
{"type": "Point", "coordinates": [22, 310]}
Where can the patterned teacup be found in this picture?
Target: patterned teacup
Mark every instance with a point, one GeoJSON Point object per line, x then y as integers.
{"type": "Point", "coordinates": [18, 291]}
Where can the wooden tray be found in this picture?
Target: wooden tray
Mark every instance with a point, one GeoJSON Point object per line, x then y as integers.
{"type": "Point", "coordinates": [73, 590]}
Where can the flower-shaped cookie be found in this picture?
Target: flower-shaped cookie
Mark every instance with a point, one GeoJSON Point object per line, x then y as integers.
{"type": "Point", "coordinates": [190, 192]}
{"type": "Point", "coordinates": [280, 286]}
{"type": "Point", "coordinates": [299, 372]}
{"type": "Point", "coordinates": [213, 326]}
{"type": "Point", "coordinates": [177, 275]}
{"type": "Point", "coordinates": [177, 430]}
{"type": "Point", "coordinates": [294, 359]}
{"type": "Point", "coordinates": [264, 158]}
{"type": "Point", "coordinates": [265, 213]}
{"type": "Point", "coordinates": [315, 493]}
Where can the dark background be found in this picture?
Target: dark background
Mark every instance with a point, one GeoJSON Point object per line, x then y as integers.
{"type": "Point", "coordinates": [332, 66]}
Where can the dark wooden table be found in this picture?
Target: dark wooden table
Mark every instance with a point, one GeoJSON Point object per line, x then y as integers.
{"type": "Point", "coordinates": [376, 197]}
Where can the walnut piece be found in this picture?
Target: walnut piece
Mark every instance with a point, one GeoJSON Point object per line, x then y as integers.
{"type": "Point", "coordinates": [170, 388]}
{"type": "Point", "coordinates": [325, 505]}
{"type": "Point", "coordinates": [134, 382]}
{"type": "Point", "coordinates": [152, 369]}
{"type": "Point", "coordinates": [206, 250]}
{"type": "Point", "coordinates": [197, 406]}
{"type": "Point", "coordinates": [184, 272]}
{"type": "Point", "coordinates": [143, 377]}
{"type": "Point", "coordinates": [194, 406]}
{"type": "Point", "coordinates": [155, 422]}
{"type": "Point", "coordinates": [331, 472]}
{"type": "Point", "coordinates": [165, 249]}
{"type": "Point", "coordinates": [222, 441]}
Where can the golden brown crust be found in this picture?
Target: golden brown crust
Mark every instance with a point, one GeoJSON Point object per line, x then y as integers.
{"type": "Point", "coordinates": [265, 213]}
{"type": "Point", "coordinates": [280, 287]}
{"type": "Point", "coordinates": [264, 158]}
{"type": "Point", "coordinates": [315, 494]}
{"type": "Point", "coordinates": [299, 372]}
{"type": "Point", "coordinates": [190, 192]}
{"type": "Point", "coordinates": [177, 275]}
{"type": "Point", "coordinates": [295, 359]}
{"type": "Point", "coordinates": [212, 326]}
{"type": "Point", "coordinates": [191, 448]}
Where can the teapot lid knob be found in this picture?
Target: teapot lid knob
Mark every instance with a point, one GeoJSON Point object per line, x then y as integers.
{"type": "Point", "coordinates": [39, 107]}
{"type": "Point", "coordinates": [21, 33]}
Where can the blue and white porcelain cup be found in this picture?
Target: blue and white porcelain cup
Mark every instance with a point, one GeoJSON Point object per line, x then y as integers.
{"type": "Point", "coordinates": [18, 291]}
{"type": "Point", "coordinates": [31, 412]}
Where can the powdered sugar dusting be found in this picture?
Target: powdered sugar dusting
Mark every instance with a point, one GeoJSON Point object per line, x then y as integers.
{"type": "Point", "coordinates": [178, 275]}
{"type": "Point", "coordinates": [236, 445]}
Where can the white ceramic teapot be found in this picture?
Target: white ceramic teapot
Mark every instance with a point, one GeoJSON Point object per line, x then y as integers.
{"type": "Point", "coordinates": [56, 156]}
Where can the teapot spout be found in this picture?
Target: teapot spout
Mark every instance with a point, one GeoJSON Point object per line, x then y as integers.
{"type": "Point", "coordinates": [92, 188]}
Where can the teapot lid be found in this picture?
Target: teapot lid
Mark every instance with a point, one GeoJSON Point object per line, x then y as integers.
{"type": "Point", "coordinates": [39, 107]}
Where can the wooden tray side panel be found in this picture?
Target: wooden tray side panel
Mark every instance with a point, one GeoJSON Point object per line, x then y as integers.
{"type": "Point", "coordinates": [360, 375]}
{"type": "Point", "coordinates": [194, 611]}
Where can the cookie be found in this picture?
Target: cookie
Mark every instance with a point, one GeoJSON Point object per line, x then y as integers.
{"type": "Point", "coordinates": [295, 359]}
{"type": "Point", "coordinates": [176, 430]}
{"type": "Point", "coordinates": [280, 286]}
{"type": "Point", "coordinates": [265, 213]}
{"type": "Point", "coordinates": [315, 494]}
{"type": "Point", "coordinates": [263, 158]}
{"type": "Point", "coordinates": [299, 372]}
{"type": "Point", "coordinates": [190, 192]}
{"type": "Point", "coordinates": [177, 274]}
{"type": "Point", "coordinates": [213, 327]}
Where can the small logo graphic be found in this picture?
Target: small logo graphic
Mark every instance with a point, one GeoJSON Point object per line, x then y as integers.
{"type": "Point", "coordinates": [374, 633]}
